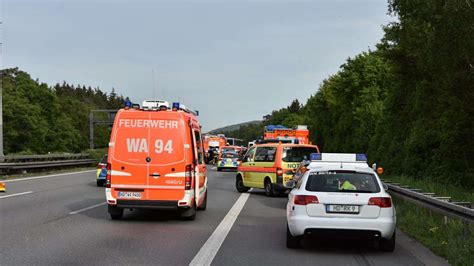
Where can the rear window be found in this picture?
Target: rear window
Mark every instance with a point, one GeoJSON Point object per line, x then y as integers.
{"type": "Point", "coordinates": [342, 181]}
{"type": "Point", "coordinates": [297, 154]}
{"type": "Point", "coordinates": [230, 155]}
{"type": "Point", "coordinates": [104, 159]}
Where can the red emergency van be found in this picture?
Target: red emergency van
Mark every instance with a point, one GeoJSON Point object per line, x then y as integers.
{"type": "Point", "coordinates": [156, 160]}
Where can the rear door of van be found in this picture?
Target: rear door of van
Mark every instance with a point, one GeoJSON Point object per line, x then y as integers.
{"type": "Point", "coordinates": [170, 152]}
{"type": "Point", "coordinates": [128, 151]}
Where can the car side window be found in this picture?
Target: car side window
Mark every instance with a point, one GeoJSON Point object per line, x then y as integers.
{"type": "Point", "coordinates": [265, 154]}
{"type": "Point", "coordinates": [249, 155]}
{"type": "Point", "coordinates": [197, 137]}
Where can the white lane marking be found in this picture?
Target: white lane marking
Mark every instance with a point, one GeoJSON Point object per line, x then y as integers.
{"type": "Point", "coordinates": [46, 176]}
{"type": "Point", "coordinates": [88, 208]}
{"type": "Point", "coordinates": [17, 194]}
{"type": "Point", "coordinates": [209, 250]}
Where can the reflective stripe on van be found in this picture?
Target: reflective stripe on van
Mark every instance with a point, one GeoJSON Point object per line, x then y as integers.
{"type": "Point", "coordinates": [145, 186]}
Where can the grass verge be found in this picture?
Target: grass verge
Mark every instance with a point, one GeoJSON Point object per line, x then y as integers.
{"type": "Point", "coordinates": [444, 237]}
{"type": "Point", "coordinates": [447, 240]}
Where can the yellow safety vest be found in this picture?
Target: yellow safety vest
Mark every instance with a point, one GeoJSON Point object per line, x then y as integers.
{"type": "Point", "coordinates": [348, 186]}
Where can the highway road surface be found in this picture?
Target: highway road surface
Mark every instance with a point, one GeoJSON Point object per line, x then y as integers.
{"type": "Point", "coordinates": [63, 219]}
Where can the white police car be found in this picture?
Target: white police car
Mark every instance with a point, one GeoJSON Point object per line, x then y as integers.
{"type": "Point", "coordinates": [340, 195]}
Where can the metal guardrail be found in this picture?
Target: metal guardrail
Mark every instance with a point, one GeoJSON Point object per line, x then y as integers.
{"type": "Point", "coordinates": [442, 205]}
{"type": "Point", "coordinates": [45, 157]}
{"type": "Point", "coordinates": [12, 167]}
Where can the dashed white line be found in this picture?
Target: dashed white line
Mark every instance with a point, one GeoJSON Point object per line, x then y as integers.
{"type": "Point", "coordinates": [88, 208]}
{"type": "Point", "coordinates": [17, 194]}
{"type": "Point", "coordinates": [44, 176]}
{"type": "Point", "coordinates": [209, 250]}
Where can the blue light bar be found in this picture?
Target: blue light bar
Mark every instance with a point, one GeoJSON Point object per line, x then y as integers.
{"type": "Point", "coordinates": [315, 157]}
{"type": "Point", "coordinates": [361, 157]}
{"type": "Point", "coordinates": [176, 105]}
{"type": "Point", "coordinates": [128, 103]}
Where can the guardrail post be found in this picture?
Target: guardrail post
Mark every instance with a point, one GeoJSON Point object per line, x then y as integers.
{"type": "Point", "coordinates": [466, 229]}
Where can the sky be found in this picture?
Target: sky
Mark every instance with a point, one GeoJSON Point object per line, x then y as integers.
{"type": "Point", "coordinates": [234, 61]}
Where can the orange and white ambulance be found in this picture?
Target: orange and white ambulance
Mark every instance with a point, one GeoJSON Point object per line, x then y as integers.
{"type": "Point", "coordinates": [270, 164]}
{"type": "Point", "coordinates": [156, 160]}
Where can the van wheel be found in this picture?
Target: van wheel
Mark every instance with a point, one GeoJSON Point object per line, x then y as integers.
{"type": "Point", "coordinates": [268, 188]}
{"type": "Point", "coordinates": [115, 212]}
{"type": "Point", "coordinates": [387, 245]}
{"type": "Point", "coordinates": [204, 203]}
{"type": "Point", "coordinates": [239, 185]}
{"type": "Point", "coordinates": [100, 183]}
{"type": "Point", "coordinates": [189, 214]}
{"type": "Point", "coordinates": [292, 241]}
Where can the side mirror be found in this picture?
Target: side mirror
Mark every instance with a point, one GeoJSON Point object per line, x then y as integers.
{"type": "Point", "coordinates": [374, 166]}
{"type": "Point", "coordinates": [290, 184]}
{"type": "Point", "coordinates": [385, 187]}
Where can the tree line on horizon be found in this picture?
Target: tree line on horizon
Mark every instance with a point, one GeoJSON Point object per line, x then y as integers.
{"type": "Point", "coordinates": [39, 119]}
{"type": "Point", "coordinates": [408, 104]}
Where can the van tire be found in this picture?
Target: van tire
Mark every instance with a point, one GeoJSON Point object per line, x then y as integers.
{"type": "Point", "coordinates": [239, 184]}
{"type": "Point", "coordinates": [292, 241]}
{"type": "Point", "coordinates": [387, 245]}
{"type": "Point", "coordinates": [204, 203]}
{"type": "Point", "coordinates": [115, 212]}
{"type": "Point", "coordinates": [100, 183]}
{"type": "Point", "coordinates": [269, 190]}
{"type": "Point", "coordinates": [189, 214]}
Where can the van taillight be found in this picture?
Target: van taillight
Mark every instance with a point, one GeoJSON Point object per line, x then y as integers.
{"type": "Point", "coordinates": [305, 199]}
{"type": "Point", "coordinates": [188, 177]}
{"type": "Point", "coordinates": [382, 202]}
{"type": "Point", "coordinates": [108, 176]}
{"type": "Point", "coordinates": [279, 171]}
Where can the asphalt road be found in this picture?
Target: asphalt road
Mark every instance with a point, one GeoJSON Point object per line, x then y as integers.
{"type": "Point", "coordinates": [63, 219]}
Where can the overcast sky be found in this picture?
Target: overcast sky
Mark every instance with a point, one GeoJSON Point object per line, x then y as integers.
{"type": "Point", "coordinates": [235, 61]}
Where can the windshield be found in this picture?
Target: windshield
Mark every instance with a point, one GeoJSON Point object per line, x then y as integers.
{"type": "Point", "coordinates": [342, 181]}
{"type": "Point", "coordinates": [297, 154]}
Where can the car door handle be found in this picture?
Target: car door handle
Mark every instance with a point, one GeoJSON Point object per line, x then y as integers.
{"type": "Point", "coordinates": [155, 175]}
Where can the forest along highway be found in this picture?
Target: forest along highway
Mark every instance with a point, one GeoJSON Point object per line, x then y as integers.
{"type": "Point", "coordinates": [63, 218]}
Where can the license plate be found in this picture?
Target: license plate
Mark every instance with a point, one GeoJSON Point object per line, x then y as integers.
{"type": "Point", "coordinates": [129, 195]}
{"type": "Point", "coordinates": [342, 208]}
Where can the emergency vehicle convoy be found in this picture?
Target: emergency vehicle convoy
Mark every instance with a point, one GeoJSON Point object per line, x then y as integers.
{"type": "Point", "coordinates": [299, 134]}
{"type": "Point", "coordinates": [156, 160]}
{"type": "Point", "coordinates": [340, 195]}
{"type": "Point", "coordinates": [212, 144]}
{"type": "Point", "coordinates": [270, 164]}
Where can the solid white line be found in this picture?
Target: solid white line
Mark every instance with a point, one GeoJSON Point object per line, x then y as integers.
{"type": "Point", "coordinates": [17, 194]}
{"type": "Point", "coordinates": [44, 176]}
{"type": "Point", "coordinates": [88, 208]}
{"type": "Point", "coordinates": [209, 250]}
